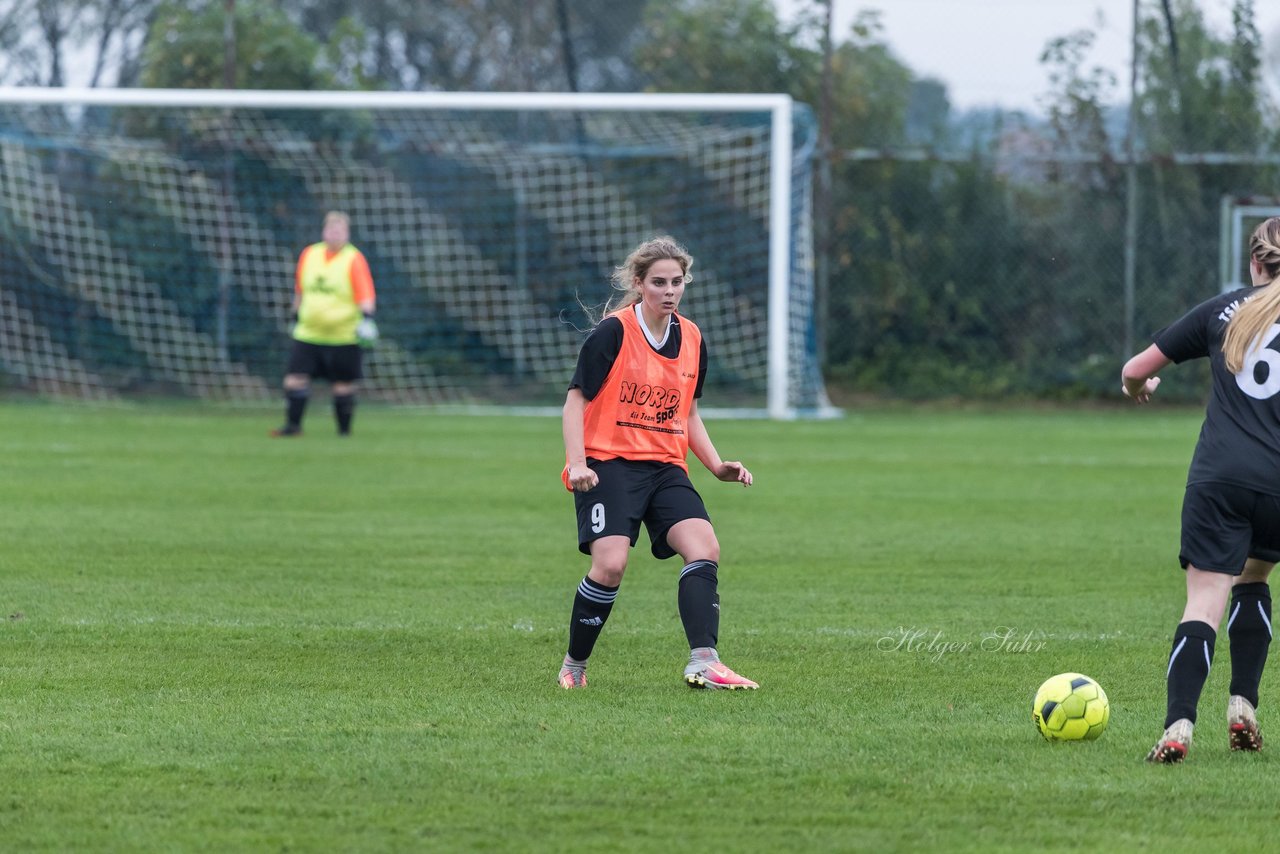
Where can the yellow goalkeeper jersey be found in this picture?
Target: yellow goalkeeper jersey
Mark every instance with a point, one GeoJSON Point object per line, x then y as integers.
{"type": "Point", "coordinates": [331, 286]}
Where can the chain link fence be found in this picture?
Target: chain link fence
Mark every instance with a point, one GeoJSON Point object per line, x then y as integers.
{"type": "Point", "coordinates": [1004, 275]}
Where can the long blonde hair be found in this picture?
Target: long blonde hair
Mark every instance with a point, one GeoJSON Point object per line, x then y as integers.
{"type": "Point", "coordinates": [644, 256]}
{"type": "Point", "coordinates": [1259, 311]}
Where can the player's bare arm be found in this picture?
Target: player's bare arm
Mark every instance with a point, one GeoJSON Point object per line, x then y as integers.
{"type": "Point", "coordinates": [730, 471]}
{"type": "Point", "coordinates": [581, 478]}
{"type": "Point", "coordinates": [1138, 378]}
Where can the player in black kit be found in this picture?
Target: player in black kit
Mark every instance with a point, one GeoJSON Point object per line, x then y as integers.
{"type": "Point", "coordinates": [1231, 510]}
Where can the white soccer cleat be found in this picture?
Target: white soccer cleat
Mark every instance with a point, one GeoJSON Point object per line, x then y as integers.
{"type": "Point", "coordinates": [1242, 725]}
{"type": "Point", "coordinates": [1174, 744]}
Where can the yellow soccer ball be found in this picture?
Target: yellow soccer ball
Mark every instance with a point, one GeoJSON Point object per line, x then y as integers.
{"type": "Point", "coordinates": [1071, 707]}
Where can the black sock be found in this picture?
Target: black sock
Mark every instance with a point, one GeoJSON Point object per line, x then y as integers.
{"type": "Point", "coordinates": [1189, 664]}
{"type": "Point", "coordinates": [699, 603]}
{"type": "Point", "coordinates": [295, 406]}
{"type": "Point", "coordinates": [344, 408]}
{"type": "Point", "coordinates": [591, 606]}
{"type": "Point", "coordinates": [1249, 630]}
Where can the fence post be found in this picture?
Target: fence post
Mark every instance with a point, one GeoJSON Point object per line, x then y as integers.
{"type": "Point", "coordinates": [1131, 198]}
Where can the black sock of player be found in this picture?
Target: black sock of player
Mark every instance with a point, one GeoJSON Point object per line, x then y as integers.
{"type": "Point", "coordinates": [1249, 629]}
{"type": "Point", "coordinates": [295, 406]}
{"type": "Point", "coordinates": [1189, 664]}
{"type": "Point", "coordinates": [699, 603]}
{"type": "Point", "coordinates": [344, 409]}
{"type": "Point", "coordinates": [591, 606]}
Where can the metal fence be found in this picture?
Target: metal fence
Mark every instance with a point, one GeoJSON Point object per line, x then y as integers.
{"type": "Point", "coordinates": [1004, 274]}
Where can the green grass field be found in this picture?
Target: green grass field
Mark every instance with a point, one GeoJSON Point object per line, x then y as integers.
{"type": "Point", "coordinates": [213, 640]}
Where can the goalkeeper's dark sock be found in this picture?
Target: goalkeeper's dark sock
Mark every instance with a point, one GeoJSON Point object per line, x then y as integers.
{"type": "Point", "coordinates": [699, 603]}
{"type": "Point", "coordinates": [344, 409]}
{"type": "Point", "coordinates": [1189, 664]}
{"type": "Point", "coordinates": [295, 407]}
{"type": "Point", "coordinates": [1249, 630]}
{"type": "Point", "coordinates": [591, 606]}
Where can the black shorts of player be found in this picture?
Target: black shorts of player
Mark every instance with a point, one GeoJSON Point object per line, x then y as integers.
{"type": "Point", "coordinates": [337, 363]}
{"type": "Point", "coordinates": [1222, 525]}
{"type": "Point", "coordinates": [631, 492]}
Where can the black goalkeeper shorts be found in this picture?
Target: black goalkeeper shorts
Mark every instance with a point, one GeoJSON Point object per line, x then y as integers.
{"type": "Point", "coordinates": [337, 363]}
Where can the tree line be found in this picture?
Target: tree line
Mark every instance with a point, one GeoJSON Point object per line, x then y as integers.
{"type": "Point", "coordinates": [958, 254]}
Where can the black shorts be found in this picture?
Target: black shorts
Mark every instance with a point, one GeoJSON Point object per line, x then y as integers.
{"type": "Point", "coordinates": [1222, 525]}
{"type": "Point", "coordinates": [631, 492]}
{"type": "Point", "coordinates": [337, 363]}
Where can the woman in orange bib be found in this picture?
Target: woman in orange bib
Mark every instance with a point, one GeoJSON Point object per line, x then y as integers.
{"type": "Point", "coordinates": [630, 419]}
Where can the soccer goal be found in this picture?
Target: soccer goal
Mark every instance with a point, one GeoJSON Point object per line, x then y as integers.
{"type": "Point", "coordinates": [148, 237]}
{"type": "Point", "coordinates": [1240, 215]}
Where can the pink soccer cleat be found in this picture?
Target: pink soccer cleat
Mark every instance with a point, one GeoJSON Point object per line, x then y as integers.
{"type": "Point", "coordinates": [572, 677]}
{"type": "Point", "coordinates": [714, 674]}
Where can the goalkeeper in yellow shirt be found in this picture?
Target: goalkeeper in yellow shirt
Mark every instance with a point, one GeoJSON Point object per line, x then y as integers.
{"type": "Point", "coordinates": [334, 303]}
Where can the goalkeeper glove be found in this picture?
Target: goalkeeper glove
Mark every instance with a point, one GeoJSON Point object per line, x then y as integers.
{"type": "Point", "coordinates": [367, 331]}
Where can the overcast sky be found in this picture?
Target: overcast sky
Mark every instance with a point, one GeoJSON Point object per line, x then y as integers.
{"type": "Point", "coordinates": [987, 51]}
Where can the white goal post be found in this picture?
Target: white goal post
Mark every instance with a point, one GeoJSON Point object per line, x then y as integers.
{"type": "Point", "coordinates": [1239, 216]}
{"type": "Point", "coordinates": [84, 173]}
